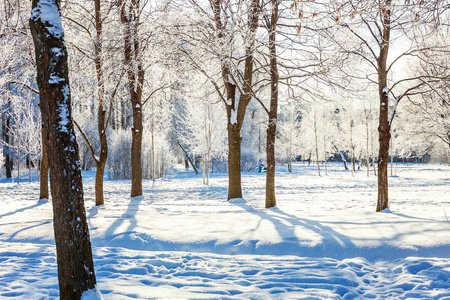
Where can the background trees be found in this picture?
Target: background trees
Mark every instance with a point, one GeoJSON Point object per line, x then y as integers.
{"type": "Point", "coordinates": [371, 31]}
{"type": "Point", "coordinates": [212, 70]}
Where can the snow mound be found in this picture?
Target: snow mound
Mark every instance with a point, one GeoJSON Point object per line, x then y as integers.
{"type": "Point", "coordinates": [93, 294]}
{"type": "Point", "coordinates": [237, 201]}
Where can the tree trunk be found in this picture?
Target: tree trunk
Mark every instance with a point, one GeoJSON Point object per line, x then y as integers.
{"type": "Point", "coordinates": [8, 160]}
{"type": "Point", "coordinates": [43, 188]}
{"type": "Point", "coordinates": [352, 160]}
{"type": "Point", "coordinates": [236, 111]}
{"type": "Point", "coordinates": [325, 156]}
{"type": "Point", "coordinates": [18, 162]}
{"type": "Point", "coordinates": [384, 129]}
{"type": "Point", "coordinates": [317, 144]}
{"type": "Point", "coordinates": [73, 246]}
{"type": "Point", "coordinates": [153, 141]}
{"type": "Point", "coordinates": [29, 167]}
{"type": "Point", "coordinates": [136, 152]}
{"type": "Point", "coordinates": [188, 159]}
{"type": "Point", "coordinates": [352, 148]}
{"type": "Point", "coordinates": [272, 126]}
{"type": "Point", "coordinates": [135, 72]}
{"type": "Point", "coordinates": [208, 166]}
{"type": "Point", "coordinates": [234, 162]}
{"type": "Point", "coordinates": [99, 174]}
{"type": "Point", "coordinates": [101, 111]}
{"type": "Point", "coordinates": [367, 143]}
{"type": "Point", "coordinates": [44, 160]}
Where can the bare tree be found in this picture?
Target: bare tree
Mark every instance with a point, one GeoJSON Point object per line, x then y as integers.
{"type": "Point", "coordinates": [103, 113]}
{"type": "Point", "coordinates": [130, 12]}
{"type": "Point", "coordinates": [272, 124]}
{"type": "Point", "coordinates": [230, 42]}
{"type": "Point", "coordinates": [371, 30]}
{"type": "Point", "coordinates": [73, 246]}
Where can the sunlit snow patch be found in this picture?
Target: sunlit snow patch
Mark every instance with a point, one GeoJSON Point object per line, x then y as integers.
{"type": "Point", "coordinates": [93, 294]}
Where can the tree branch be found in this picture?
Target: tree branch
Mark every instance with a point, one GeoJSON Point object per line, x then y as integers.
{"type": "Point", "coordinates": [87, 141]}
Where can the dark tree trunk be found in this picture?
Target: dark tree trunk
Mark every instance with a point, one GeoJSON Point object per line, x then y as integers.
{"type": "Point", "coordinates": [384, 128]}
{"type": "Point", "coordinates": [136, 150]}
{"type": "Point", "coordinates": [272, 126]}
{"type": "Point", "coordinates": [234, 162]}
{"type": "Point", "coordinates": [102, 122]}
{"type": "Point", "coordinates": [73, 246]}
{"type": "Point", "coordinates": [8, 160]}
{"type": "Point", "coordinates": [44, 165]}
{"type": "Point", "coordinates": [188, 159]}
{"type": "Point", "coordinates": [383, 154]}
{"type": "Point", "coordinates": [135, 73]}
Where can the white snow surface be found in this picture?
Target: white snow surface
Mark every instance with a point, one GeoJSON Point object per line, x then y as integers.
{"type": "Point", "coordinates": [183, 240]}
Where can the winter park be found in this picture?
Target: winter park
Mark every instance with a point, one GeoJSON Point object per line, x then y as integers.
{"type": "Point", "coordinates": [224, 149]}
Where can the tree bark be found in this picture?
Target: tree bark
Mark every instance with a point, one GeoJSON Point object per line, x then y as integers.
{"type": "Point", "coordinates": [130, 20]}
{"type": "Point", "coordinates": [384, 128]}
{"type": "Point", "coordinates": [272, 126]}
{"type": "Point", "coordinates": [8, 159]}
{"type": "Point", "coordinates": [43, 174]}
{"type": "Point", "coordinates": [234, 162]}
{"type": "Point", "coordinates": [101, 110]}
{"type": "Point", "coordinates": [73, 246]}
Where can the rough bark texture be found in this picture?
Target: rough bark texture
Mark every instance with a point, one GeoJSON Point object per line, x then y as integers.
{"type": "Point", "coordinates": [272, 126]}
{"type": "Point", "coordinates": [135, 72]}
{"type": "Point", "coordinates": [44, 166]}
{"type": "Point", "coordinates": [234, 162]}
{"type": "Point", "coordinates": [384, 129]}
{"type": "Point", "coordinates": [73, 246]}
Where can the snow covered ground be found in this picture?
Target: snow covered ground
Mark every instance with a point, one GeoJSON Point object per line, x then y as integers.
{"type": "Point", "coordinates": [183, 240]}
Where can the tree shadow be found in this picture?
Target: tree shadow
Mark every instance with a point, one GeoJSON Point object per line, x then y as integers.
{"type": "Point", "coordinates": [39, 203]}
{"type": "Point", "coordinates": [337, 245]}
{"type": "Point", "coordinates": [39, 223]}
{"type": "Point", "coordinates": [286, 224]}
{"type": "Point", "coordinates": [129, 215]}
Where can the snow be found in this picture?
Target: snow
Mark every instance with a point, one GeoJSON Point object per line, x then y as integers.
{"type": "Point", "coordinates": [55, 79]}
{"type": "Point", "coordinates": [233, 117]}
{"type": "Point", "coordinates": [57, 51]}
{"type": "Point", "coordinates": [183, 240]}
{"type": "Point", "coordinates": [64, 109]}
{"type": "Point", "coordinates": [47, 11]}
{"type": "Point", "coordinates": [93, 294]}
